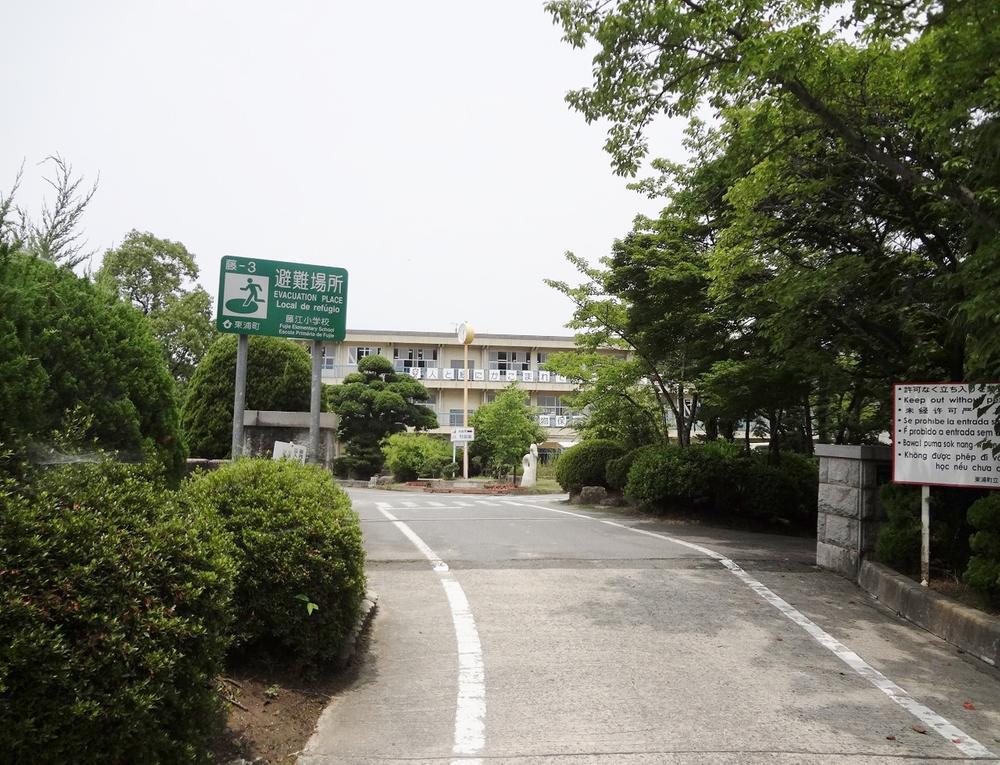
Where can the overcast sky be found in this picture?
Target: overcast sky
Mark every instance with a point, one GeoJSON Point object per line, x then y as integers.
{"type": "Point", "coordinates": [425, 147]}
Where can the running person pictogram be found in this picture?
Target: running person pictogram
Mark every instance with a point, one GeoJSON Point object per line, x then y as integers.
{"type": "Point", "coordinates": [249, 303]}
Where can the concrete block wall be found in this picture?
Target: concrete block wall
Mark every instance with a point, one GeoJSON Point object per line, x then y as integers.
{"type": "Point", "coordinates": [849, 508]}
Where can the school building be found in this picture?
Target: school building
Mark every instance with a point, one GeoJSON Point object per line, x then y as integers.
{"type": "Point", "coordinates": [495, 361]}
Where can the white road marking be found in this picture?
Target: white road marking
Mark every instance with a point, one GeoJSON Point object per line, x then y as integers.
{"type": "Point", "coordinates": [965, 743]}
{"type": "Point", "coordinates": [409, 504]}
{"type": "Point", "coordinates": [470, 706]}
{"type": "Point", "coordinates": [488, 504]}
{"type": "Point", "coordinates": [434, 504]}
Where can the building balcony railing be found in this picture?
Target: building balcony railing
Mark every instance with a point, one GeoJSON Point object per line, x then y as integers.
{"type": "Point", "coordinates": [340, 371]}
{"type": "Point", "coordinates": [453, 418]}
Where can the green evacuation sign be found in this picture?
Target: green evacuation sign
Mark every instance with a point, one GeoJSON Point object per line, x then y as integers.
{"type": "Point", "coordinates": [293, 300]}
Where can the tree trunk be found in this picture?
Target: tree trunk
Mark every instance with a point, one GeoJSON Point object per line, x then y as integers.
{"type": "Point", "coordinates": [746, 433]}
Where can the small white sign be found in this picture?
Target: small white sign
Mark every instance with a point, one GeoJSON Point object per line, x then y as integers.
{"type": "Point", "coordinates": [289, 450]}
{"type": "Point", "coordinates": [460, 435]}
{"type": "Point", "coordinates": [936, 434]}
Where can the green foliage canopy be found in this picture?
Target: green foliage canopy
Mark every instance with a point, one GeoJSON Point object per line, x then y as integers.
{"type": "Point", "coordinates": [413, 455]}
{"type": "Point", "coordinates": [153, 274]}
{"type": "Point", "coordinates": [505, 429]}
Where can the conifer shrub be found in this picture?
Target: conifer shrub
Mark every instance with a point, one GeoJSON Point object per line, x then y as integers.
{"type": "Point", "coordinates": [585, 464]}
{"type": "Point", "coordinates": [114, 618]}
{"type": "Point", "coordinates": [299, 561]}
{"type": "Point", "coordinates": [983, 571]}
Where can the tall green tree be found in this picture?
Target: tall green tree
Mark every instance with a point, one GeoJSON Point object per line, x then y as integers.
{"type": "Point", "coordinates": [616, 401]}
{"type": "Point", "coordinates": [374, 403]}
{"type": "Point", "coordinates": [159, 276]}
{"type": "Point", "coordinates": [279, 378]}
{"type": "Point", "coordinates": [73, 358]}
{"type": "Point", "coordinates": [883, 145]}
{"type": "Point", "coordinates": [505, 429]}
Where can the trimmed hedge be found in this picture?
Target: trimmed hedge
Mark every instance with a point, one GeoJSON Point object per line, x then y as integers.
{"type": "Point", "coordinates": [298, 545]}
{"type": "Point", "coordinates": [616, 471]}
{"type": "Point", "coordinates": [114, 616]}
{"type": "Point", "coordinates": [585, 464]}
{"type": "Point", "coordinates": [983, 571]}
{"type": "Point", "coordinates": [716, 477]}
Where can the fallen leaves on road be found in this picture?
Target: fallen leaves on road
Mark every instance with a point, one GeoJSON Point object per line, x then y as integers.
{"type": "Point", "coordinates": [969, 705]}
{"type": "Point", "coordinates": [890, 738]}
{"type": "Point", "coordinates": [919, 728]}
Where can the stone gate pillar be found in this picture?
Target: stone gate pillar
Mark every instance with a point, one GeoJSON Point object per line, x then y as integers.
{"type": "Point", "coordinates": [849, 507]}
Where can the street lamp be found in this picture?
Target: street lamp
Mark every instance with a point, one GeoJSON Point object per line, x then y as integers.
{"type": "Point", "coordinates": [465, 337]}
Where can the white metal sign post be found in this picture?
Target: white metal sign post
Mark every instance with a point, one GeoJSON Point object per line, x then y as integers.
{"type": "Point", "coordinates": [936, 437]}
{"type": "Point", "coordinates": [465, 337]}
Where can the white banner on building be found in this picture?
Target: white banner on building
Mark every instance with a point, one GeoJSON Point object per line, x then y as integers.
{"type": "Point", "coordinates": [936, 435]}
{"type": "Point", "coordinates": [449, 374]}
{"type": "Point", "coordinates": [545, 420]}
{"type": "Point", "coordinates": [527, 375]}
{"type": "Point", "coordinates": [544, 375]}
{"type": "Point", "coordinates": [561, 421]}
{"type": "Point", "coordinates": [416, 373]}
{"type": "Point", "coordinates": [478, 375]}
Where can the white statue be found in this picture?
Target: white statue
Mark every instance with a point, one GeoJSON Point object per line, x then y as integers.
{"type": "Point", "coordinates": [530, 464]}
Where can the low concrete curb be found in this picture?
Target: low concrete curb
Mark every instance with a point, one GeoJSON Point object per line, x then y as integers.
{"type": "Point", "coordinates": [350, 648]}
{"type": "Point", "coordinates": [973, 631]}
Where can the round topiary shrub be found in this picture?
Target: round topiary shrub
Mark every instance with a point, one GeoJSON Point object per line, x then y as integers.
{"type": "Point", "coordinates": [653, 477]}
{"type": "Point", "coordinates": [585, 464]}
{"type": "Point", "coordinates": [983, 571]}
{"type": "Point", "coordinates": [114, 617]}
{"type": "Point", "coordinates": [300, 564]}
{"type": "Point", "coordinates": [616, 471]}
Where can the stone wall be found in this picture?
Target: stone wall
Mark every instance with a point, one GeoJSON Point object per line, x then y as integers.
{"type": "Point", "coordinates": [849, 507]}
{"type": "Point", "coordinates": [261, 429]}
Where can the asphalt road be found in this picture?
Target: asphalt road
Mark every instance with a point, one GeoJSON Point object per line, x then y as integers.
{"type": "Point", "coordinates": [529, 631]}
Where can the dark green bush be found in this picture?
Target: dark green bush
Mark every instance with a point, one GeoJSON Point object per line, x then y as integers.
{"type": "Point", "coordinates": [653, 477]}
{"type": "Point", "coordinates": [413, 455]}
{"type": "Point", "coordinates": [787, 490]}
{"type": "Point", "coordinates": [616, 471]}
{"type": "Point", "coordinates": [983, 571]}
{"type": "Point", "coordinates": [716, 477]}
{"type": "Point", "coordinates": [298, 542]}
{"type": "Point", "coordinates": [114, 619]}
{"type": "Point", "coordinates": [279, 376]}
{"type": "Point", "coordinates": [898, 543]}
{"type": "Point", "coordinates": [585, 464]}
{"type": "Point", "coordinates": [75, 358]}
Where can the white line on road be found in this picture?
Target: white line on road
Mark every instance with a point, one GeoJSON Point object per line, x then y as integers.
{"type": "Point", "coordinates": [965, 743]}
{"type": "Point", "coordinates": [470, 707]}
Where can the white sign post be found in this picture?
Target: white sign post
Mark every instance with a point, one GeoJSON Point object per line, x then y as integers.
{"type": "Point", "coordinates": [936, 437]}
{"type": "Point", "coordinates": [463, 435]}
